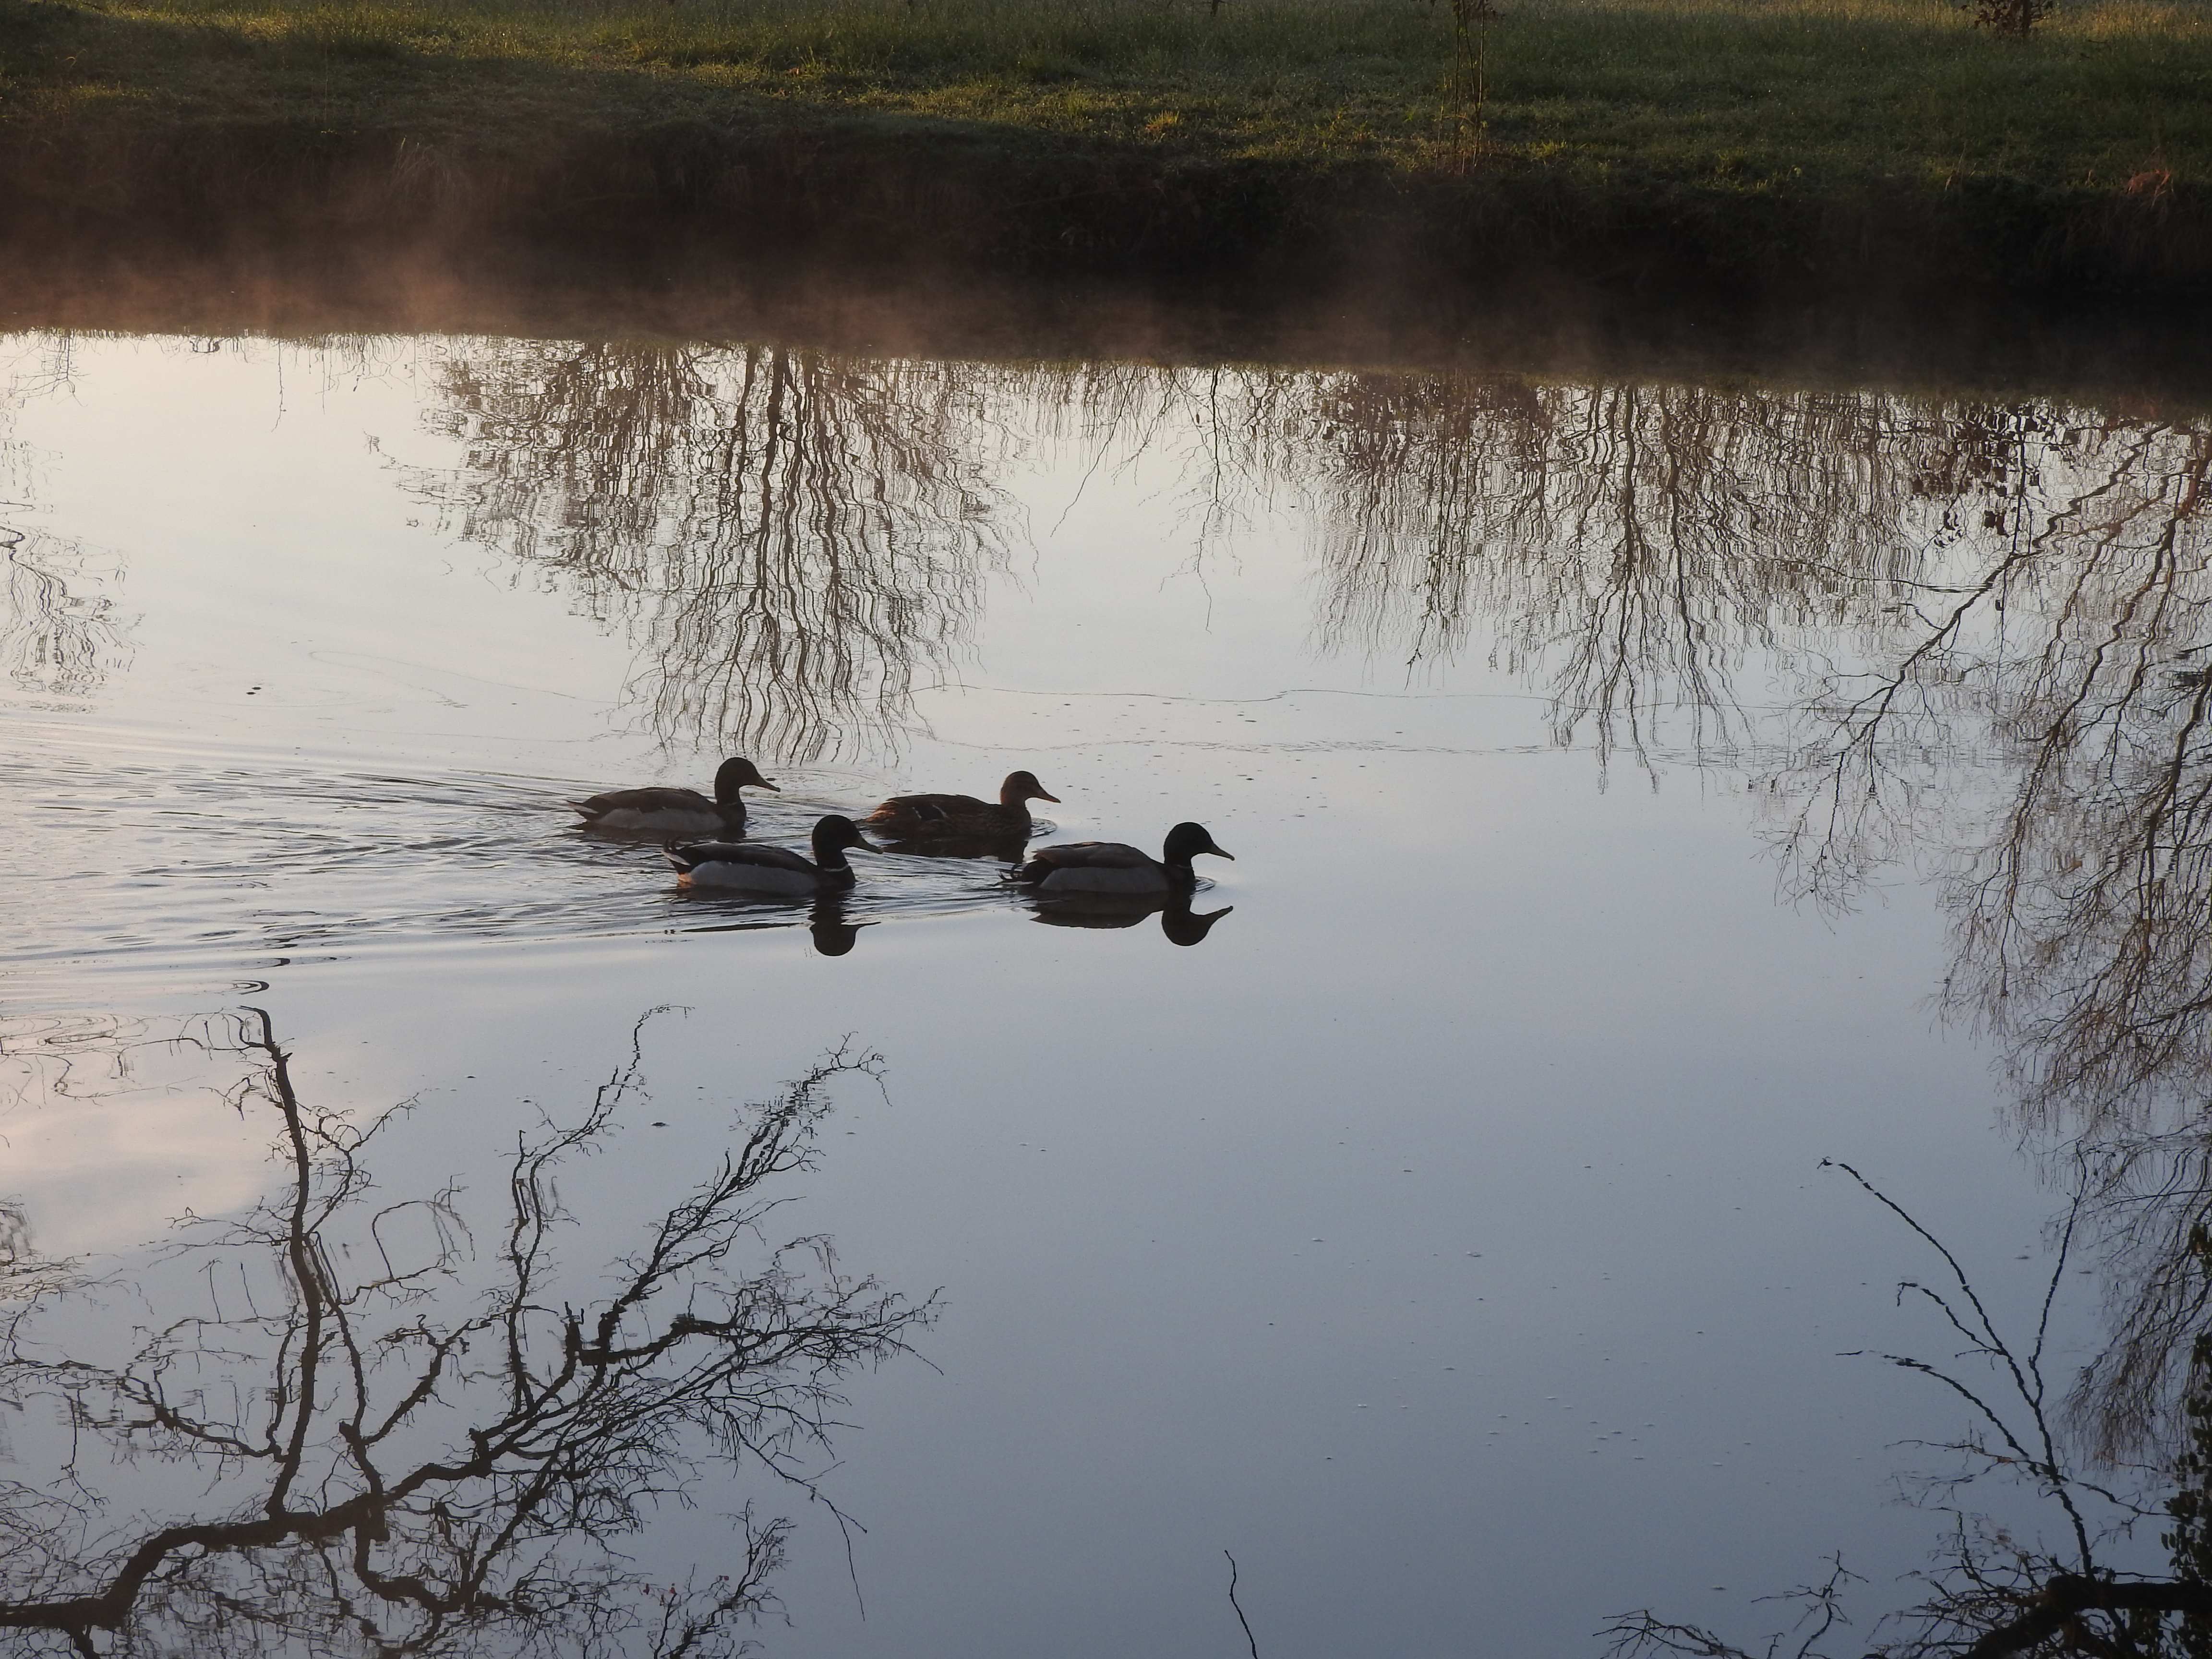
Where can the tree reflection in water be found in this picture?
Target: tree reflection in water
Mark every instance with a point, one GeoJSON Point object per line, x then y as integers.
{"type": "Point", "coordinates": [2036, 734]}
{"type": "Point", "coordinates": [1996, 618]}
{"type": "Point", "coordinates": [2079, 875]}
{"type": "Point", "coordinates": [1630, 544]}
{"type": "Point", "coordinates": [797, 540]}
{"type": "Point", "coordinates": [348, 1423]}
{"type": "Point", "coordinates": [1989, 618]}
{"type": "Point", "coordinates": [61, 632]}
{"type": "Point", "coordinates": [791, 540]}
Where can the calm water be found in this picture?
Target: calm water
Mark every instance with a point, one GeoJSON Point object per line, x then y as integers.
{"type": "Point", "coordinates": [1639, 795]}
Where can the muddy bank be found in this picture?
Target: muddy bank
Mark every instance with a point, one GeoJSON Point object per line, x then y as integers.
{"type": "Point", "coordinates": [936, 235]}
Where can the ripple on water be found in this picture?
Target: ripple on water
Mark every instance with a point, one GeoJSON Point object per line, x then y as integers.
{"type": "Point", "coordinates": [160, 863]}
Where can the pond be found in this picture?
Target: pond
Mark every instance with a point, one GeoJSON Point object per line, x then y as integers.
{"type": "Point", "coordinates": [1645, 798]}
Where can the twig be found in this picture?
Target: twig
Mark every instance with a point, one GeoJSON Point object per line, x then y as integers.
{"type": "Point", "coordinates": [1250, 1640]}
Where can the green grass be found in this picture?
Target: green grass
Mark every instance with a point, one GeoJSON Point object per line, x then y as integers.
{"type": "Point", "coordinates": [1754, 95]}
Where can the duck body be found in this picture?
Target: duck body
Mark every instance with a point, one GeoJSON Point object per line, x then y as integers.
{"type": "Point", "coordinates": [961, 818]}
{"type": "Point", "coordinates": [668, 813]}
{"type": "Point", "coordinates": [770, 871]}
{"type": "Point", "coordinates": [1111, 867]}
{"type": "Point", "coordinates": [1097, 867]}
{"type": "Point", "coordinates": [661, 812]}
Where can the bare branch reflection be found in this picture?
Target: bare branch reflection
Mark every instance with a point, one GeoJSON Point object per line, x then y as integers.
{"type": "Point", "coordinates": [352, 1422]}
{"type": "Point", "coordinates": [61, 634]}
{"type": "Point", "coordinates": [1974, 629]}
{"type": "Point", "coordinates": [2041, 738]}
{"type": "Point", "coordinates": [1994, 618]}
{"type": "Point", "coordinates": [1630, 544]}
{"type": "Point", "coordinates": [792, 541]}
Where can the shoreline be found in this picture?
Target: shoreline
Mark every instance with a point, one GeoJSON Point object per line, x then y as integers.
{"type": "Point", "coordinates": [961, 200]}
{"type": "Point", "coordinates": [2133, 361]}
{"type": "Point", "coordinates": [845, 238]}
{"type": "Point", "coordinates": [1829, 191]}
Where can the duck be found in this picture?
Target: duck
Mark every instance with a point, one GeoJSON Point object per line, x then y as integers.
{"type": "Point", "coordinates": [1109, 866]}
{"type": "Point", "coordinates": [926, 817]}
{"type": "Point", "coordinates": [934, 836]}
{"type": "Point", "coordinates": [771, 871]}
{"type": "Point", "coordinates": [671, 812]}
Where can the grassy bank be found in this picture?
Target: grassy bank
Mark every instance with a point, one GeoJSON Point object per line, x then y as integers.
{"type": "Point", "coordinates": [1737, 138]}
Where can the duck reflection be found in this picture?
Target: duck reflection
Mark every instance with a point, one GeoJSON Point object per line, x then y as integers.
{"type": "Point", "coordinates": [833, 930]}
{"type": "Point", "coordinates": [401, 1418]}
{"type": "Point", "coordinates": [835, 933]}
{"type": "Point", "coordinates": [791, 540]}
{"type": "Point", "coordinates": [1178, 921]}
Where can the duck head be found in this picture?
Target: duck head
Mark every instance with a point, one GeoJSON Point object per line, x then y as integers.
{"type": "Point", "coordinates": [832, 835]}
{"type": "Point", "coordinates": [735, 774]}
{"type": "Point", "coordinates": [1186, 840]}
{"type": "Point", "coordinates": [1021, 787]}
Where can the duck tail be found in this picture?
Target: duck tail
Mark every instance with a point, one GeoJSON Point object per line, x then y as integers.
{"type": "Point", "coordinates": [680, 857]}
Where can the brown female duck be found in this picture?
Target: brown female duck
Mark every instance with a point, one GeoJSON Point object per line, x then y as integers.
{"type": "Point", "coordinates": [952, 817]}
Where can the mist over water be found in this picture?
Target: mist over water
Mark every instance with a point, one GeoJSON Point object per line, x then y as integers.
{"type": "Point", "coordinates": [1640, 792]}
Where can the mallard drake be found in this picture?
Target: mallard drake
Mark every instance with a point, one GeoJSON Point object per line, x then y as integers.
{"type": "Point", "coordinates": [667, 812]}
{"type": "Point", "coordinates": [1107, 866]}
{"type": "Point", "coordinates": [908, 818]}
{"type": "Point", "coordinates": [772, 872]}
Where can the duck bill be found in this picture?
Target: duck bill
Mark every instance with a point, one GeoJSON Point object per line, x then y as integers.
{"type": "Point", "coordinates": [765, 784]}
{"type": "Point", "coordinates": [1055, 800]}
{"type": "Point", "coordinates": [1218, 854]}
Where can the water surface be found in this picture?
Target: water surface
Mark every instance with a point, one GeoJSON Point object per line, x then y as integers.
{"type": "Point", "coordinates": [1639, 793]}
